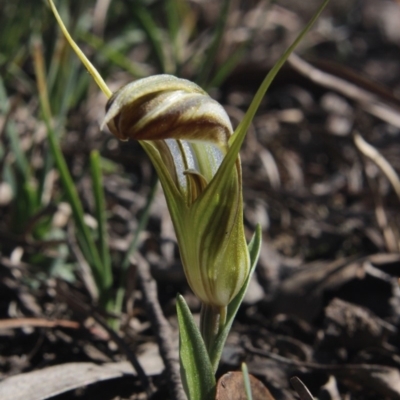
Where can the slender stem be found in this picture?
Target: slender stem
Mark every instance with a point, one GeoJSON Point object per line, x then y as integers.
{"type": "Point", "coordinates": [212, 321]}
{"type": "Point", "coordinates": [222, 317]}
{"type": "Point", "coordinates": [89, 66]}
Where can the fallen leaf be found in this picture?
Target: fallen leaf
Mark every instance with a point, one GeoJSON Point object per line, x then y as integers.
{"type": "Point", "coordinates": [231, 387]}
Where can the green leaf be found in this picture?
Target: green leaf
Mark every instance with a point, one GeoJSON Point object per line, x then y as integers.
{"type": "Point", "coordinates": [246, 380]}
{"type": "Point", "coordinates": [211, 52]}
{"type": "Point", "coordinates": [154, 35]}
{"type": "Point", "coordinates": [100, 211]}
{"type": "Point", "coordinates": [174, 22]}
{"type": "Point", "coordinates": [196, 371]}
{"type": "Point", "coordinates": [113, 55]}
{"type": "Point", "coordinates": [227, 67]}
{"type": "Point", "coordinates": [21, 160]}
{"type": "Point", "coordinates": [254, 248]}
{"type": "Point", "coordinates": [4, 102]}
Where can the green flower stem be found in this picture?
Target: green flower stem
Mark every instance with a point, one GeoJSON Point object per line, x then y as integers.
{"type": "Point", "coordinates": [212, 320]}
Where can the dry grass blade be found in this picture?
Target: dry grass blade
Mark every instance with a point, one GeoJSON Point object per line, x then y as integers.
{"type": "Point", "coordinates": [369, 101]}
{"type": "Point", "coordinates": [301, 389]}
{"type": "Point", "coordinates": [373, 154]}
{"type": "Point", "coordinates": [389, 235]}
{"type": "Point", "coordinates": [37, 323]}
{"type": "Point", "coordinates": [84, 267]}
{"type": "Point", "coordinates": [100, 15]}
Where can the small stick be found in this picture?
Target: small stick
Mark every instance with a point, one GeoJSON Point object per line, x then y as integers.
{"type": "Point", "coordinates": [161, 328]}
{"type": "Point", "coordinates": [16, 323]}
{"type": "Point", "coordinates": [301, 389]}
{"type": "Point", "coordinates": [369, 101]}
{"type": "Point", "coordinates": [377, 158]}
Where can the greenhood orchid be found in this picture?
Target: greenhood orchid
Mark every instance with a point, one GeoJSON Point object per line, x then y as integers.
{"type": "Point", "coordinates": [186, 135]}
{"type": "Point", "coordinates": [191, 143]}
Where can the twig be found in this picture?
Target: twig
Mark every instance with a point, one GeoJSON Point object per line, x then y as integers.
{"type": "Point", "coordinates": [85, 270]}
{"type": "Point", "coordinates": [342, 369]}
{"type": "Point", "coordinates": [377, 158]}
{"type": "Point", "coordinates": [16, 323]}
{"type": "Point", "coordinates": [369, 101]}
{"type": "Point", "coordinates": [161, 328]}
{"type": "Point", "coordinates": [301, 389]}
{"type": "Point", "coordinates": [372, 154]}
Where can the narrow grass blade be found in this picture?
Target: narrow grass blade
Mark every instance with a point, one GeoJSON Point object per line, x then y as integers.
{"type": "Point", "coordinates": [216, 41]}
{"type": "Point", "coordinates": [233, 59]}
{"type": "Point", "coordinates": [25, 192]}
{"type": "Point", "coordinates": [154, 35]}
{"type": "Point", "coordinates": [180, 19]}
{"type": "Point", "coordinates": [70, 95]}
{"type": "Point", "coordinates": [132, 248]}
{"type": "Point", "coordinates": [246, 380]}
{"type": "Point", "coordinates": [114, 56]}
{"type": "Point", "coordinates": [4, 103]}
{"type": "Point", "coordinates": [196, 371]}
{"type": "Point", "coordinates": [227, 67]}
{"type": "Point", "coordinates": [173, 19]}
{"type": "Point", "coordinates": [21, 160]}
{"type": "Point", "coordinates": [88, 245]}
{"type": "Point", "coordinates": [254, 252]}
{"type": "Point", "coordinates": [101, 218]}
{"type": "Point", "coordinates": [64, 97]}
{"type": "Point", "coordinates": [55, 62]}
{"type": "Point", "coordinates": [378, 159]}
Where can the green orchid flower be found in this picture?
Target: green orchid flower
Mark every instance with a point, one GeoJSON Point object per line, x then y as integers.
{"type": "Point", "coordinates": [190, 141]}
{"type": "Point", "coordinates": [186, 135]}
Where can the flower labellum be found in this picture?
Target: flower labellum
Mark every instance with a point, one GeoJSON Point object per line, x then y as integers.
{"type": "Point", "coordinates": [186, 135]}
